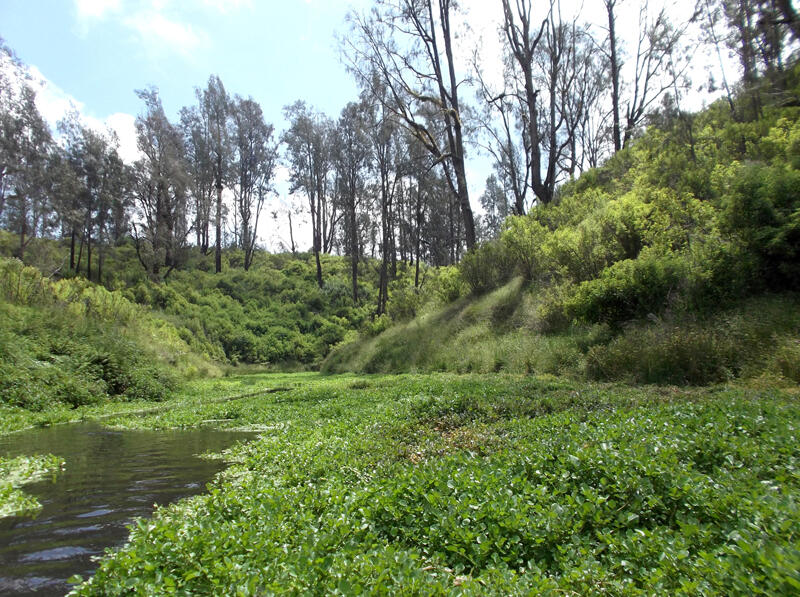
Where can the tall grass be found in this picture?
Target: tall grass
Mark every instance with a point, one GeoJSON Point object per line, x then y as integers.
{"type": "Point", "coordinates": [504, 331]}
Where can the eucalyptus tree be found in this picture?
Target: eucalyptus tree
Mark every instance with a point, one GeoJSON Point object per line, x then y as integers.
{"type": "Point", "coordinates": [757, 32]}
{"type": "Point", "coordinates": [502, 121]}
{"type": "Point", "coordinates": [351, 155]}
{"type": "Point", "coordinates": [26, 148]}
{"type": "Point", "coordinates": [657, 43]}
{"type": "Point", "coordinates": [308, 157]}
{"type": "Point", "coordinates": [522, 36]}
{"type": "Point", "coordinates": [386, 141]}
{"type": "Point", "coordinates": [550, 83]}
{"type": "Point", "coordinates": [197, 141]}
{"type": "Point", "coordinates": [93, 204]}
{"type": "Point", "coordinates": [494, 201]}
{"type": "Point", "coordinates": [256, 156]}
{"type": "Point", "coordinates": [159, 189]}
{"type": "Point", "coordinates": [581, 82]}
{"type": "Point", "coordinates": [215, 108]}
{"type": "Point", "coordinates": [407, 48]}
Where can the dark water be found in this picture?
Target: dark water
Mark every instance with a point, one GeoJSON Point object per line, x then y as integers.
{"type": "Point", "coordinates": [110, 477]}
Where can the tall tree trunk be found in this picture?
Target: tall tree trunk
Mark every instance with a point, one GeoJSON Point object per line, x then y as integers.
{"type": "Point", "coordinates": [612, 41]}
{"type": "Point", "coordinates": [453, 117]}
{"type": "Point", "coordinates": [317, 238]}
{"type": "Point", "coordinates": [354, 272]}
{"type": "Point", "coordinates": [89, 256]}
{"type": "Point", "coordinates": [291, 233]}
{"type": "Point", "coordinates": [80, 252]}
{"type": "Point", "coordinates": [418, 239]}
{"type": "Point", "coordinates": [354, 252]}
{"type": "Point", "coordinates": [218, 222]}
{"type": "Point", "coordinates": [72, 250]}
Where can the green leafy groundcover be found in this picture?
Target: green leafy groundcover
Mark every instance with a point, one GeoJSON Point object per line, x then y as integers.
{"type": "Point", "coordinates": [15, 472]}
{"type": "Point", "coordinates": [485, 485]}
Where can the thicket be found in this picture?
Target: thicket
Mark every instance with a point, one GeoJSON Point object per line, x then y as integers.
{"type": "Point", "coordinates": [72, 342]}
{"type": "Point", "coordinates": [274, 313]}
{"type": "Point", "coordinates": [665, 224]}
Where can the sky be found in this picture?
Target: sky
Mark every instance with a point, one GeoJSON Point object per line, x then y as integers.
{"type": "Point", "coordinates": [94, 54]}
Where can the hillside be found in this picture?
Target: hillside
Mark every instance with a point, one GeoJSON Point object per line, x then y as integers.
{"type": "Point", "coordinates": [675, 262]}
{"type": "Point", "coordinates": [66, 342]}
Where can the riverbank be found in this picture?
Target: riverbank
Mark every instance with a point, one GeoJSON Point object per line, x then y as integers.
{"type": "Point", "coordinates": [478, 485]}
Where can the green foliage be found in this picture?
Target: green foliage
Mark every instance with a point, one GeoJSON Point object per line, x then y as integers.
{"type": "Point", "coordinates": [735, 343]}
{"type": "Point", "coordinates": [272, 314]}
{"type": "Point", "coordinates": [760, 207]}
{"type": "Point", "coordinates": [650, 247]}
{"type": "Point", "coordinates": [448, 284]}
{"type": "Point", "coordinates": [22, 470]}
{"type": "Point", "coordinates": [628, 289]}
{"type": "Point", "coordinates": [486, 267]}
{"type": "Point", "coordinates": [664, 224]}
{"type": "Point", "coordinates": [512, 329]}
{"type": "Point", "coordinates": [484, 486]}
{"type": "Point", "coordinates": [75, 343]}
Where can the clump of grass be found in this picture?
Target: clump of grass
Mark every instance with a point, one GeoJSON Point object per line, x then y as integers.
{"type": "Point", "coordinates": [757, 336]}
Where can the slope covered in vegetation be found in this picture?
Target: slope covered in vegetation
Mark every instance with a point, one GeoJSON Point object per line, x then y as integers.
{"type": "Point", "coordinates": [71, 342]}
{"type": "Point", "coordinates": [660, 252]}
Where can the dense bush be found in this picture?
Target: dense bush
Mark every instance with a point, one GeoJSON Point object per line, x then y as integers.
{"type": "Point", "coordinates": [664, 225]}
{"type": "Point", "coordinates": [74, 343]}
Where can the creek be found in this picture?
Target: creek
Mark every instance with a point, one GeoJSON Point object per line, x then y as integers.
{"type": "Point", "coordinates": [110, 478]}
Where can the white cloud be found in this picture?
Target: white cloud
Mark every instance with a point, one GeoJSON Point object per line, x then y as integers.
{"type": "Point", "coordinates": [54, 104]}
{"type": "Point", "coordinates": [125, 127]}
{"type": "Point", "coordinates": [226, 6]}
{"type": "Point", "coordinates": [95, 9]}
{"type": "Point", "coordinates": [151, 22]}
{"type": "Point", "coordinates": [157, 31]}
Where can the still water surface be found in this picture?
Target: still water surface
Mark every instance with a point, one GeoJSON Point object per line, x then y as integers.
{"type": "Point", "coordinates": [110, 478]}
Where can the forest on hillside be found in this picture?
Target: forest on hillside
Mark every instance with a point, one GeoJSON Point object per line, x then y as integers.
{"type": "Point", "coordinates": [630, 220]}
{"type": "Point", "coordinates": [385, 178]}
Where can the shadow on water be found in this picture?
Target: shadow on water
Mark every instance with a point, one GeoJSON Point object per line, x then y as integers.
{"type": "Point", "coordinates": [110, 478]}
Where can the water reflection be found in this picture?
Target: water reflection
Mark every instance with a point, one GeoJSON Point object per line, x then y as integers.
{"type": "Point", "coordinates": [110, 478]}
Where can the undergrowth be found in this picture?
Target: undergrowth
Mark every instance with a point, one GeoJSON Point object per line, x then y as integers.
{"type": "Point", "coordinates": [485, 485]}
{"type": "Point", "coordinates": [502, 332]}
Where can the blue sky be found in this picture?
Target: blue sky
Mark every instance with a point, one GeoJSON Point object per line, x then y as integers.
{"type": "Point", "coordinates": [99, 51]}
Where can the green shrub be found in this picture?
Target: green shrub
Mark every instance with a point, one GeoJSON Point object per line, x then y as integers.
{"type": "Point", "coordinates": [486, 267]}
{"type": "Point", "coordinates": [628, 289]}
{"type": "Point", "coordinates": [448, 284]}
{"type": "Point", "coordinates": [760, 205]}
{"type": "Point", "coordinates": [664, 355]}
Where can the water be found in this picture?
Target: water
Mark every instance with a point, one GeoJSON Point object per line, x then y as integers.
{"type": "Point", "coordinates": [110, 478]}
